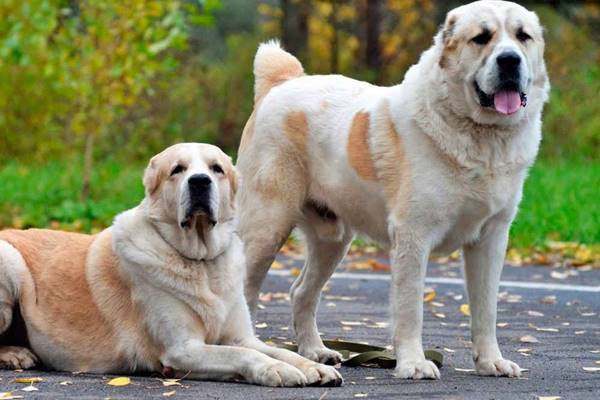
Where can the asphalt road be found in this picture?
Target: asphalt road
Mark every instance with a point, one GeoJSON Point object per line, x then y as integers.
{"type": "Point", "coordinates": [531, 298]}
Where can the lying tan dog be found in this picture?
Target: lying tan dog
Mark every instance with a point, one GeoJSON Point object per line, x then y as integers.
{"type": "Point", "coordinates": [434, 164]}
{"type": "Point", "coordinates": [161, 288]}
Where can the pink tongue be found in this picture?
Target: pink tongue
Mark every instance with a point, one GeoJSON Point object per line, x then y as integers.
{"type": "Point", "coordinates": [507, 101]}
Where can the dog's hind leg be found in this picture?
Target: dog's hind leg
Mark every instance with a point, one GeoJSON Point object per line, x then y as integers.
{"type": "Point", "coordinates": [12, 266]}
{"type": "Point", "coordinates": [323, 256]}
{"type": "Point", "coordinates": [264, 228]}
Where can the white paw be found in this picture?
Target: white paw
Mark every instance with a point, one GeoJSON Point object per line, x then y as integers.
{"type": "Point", "coordinates": [417, 369]}
{"type": "Point", "coordinates": [319, 374]}
{"type": "Point", "coordinates": [497, 367]}
{"type": "Point", "coordinates": [280, 374]}
{"type": "Point", "coordinates": [12, 357]}
{"type": "Point", "coordinates": [321, 355]}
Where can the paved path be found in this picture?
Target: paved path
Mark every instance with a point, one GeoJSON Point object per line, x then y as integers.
{"type": "Point", "coordinates": [530, 299]}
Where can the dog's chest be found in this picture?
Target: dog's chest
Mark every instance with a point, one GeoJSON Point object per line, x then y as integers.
{"type": "Point", "coordinates": [477, 199]}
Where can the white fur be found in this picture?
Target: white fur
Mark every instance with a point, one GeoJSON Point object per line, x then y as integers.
{"type": "Point", "coordinates": [466, 168]}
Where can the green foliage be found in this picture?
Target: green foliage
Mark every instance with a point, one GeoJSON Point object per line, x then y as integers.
{"type": "Point", "coordinates": [46, 196]}
{"type": "Point", "coordinates": [560, 202]}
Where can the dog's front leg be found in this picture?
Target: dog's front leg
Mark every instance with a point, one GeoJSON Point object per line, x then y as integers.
{"type": "Point", "coordinates": [212, 362]}
{"type": "Point", "coordinates": [409, 254]}
{"type": "Point", "coordinates": [483, 265]}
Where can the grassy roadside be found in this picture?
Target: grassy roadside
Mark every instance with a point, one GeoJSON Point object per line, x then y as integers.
{"type": "Point", "coordinates": [561, 200]}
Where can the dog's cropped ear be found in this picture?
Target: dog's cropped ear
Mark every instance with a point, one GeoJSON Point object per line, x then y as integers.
{"type": "Point", "coordinates": [151, 177]}
{"type": "Point", "coordinates": [445, 38]}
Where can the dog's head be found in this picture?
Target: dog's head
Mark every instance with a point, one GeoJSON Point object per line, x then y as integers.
{"type": "Point", "coordinates": [491, 56]}
{"type": "Point", "coordinates": [190, 185]}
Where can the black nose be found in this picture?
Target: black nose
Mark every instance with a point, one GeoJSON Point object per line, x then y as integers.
{"type": "Point", "coordinates": [199, 181]}
{"type": "Point", "coordinates": [508, 61]}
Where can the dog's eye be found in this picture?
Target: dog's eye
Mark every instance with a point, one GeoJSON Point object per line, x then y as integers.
{"type": "Point", "coordinates": [483, 38]}
{"type": "Point", "coordinates": [216, 168]}
{"type": "Point", "coordinates": [522, 36]}
{"type": "Point", "coordinates": [177, 169]}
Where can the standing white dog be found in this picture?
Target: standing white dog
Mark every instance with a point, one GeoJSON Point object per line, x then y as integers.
{"type": "Point", "coordinates": [433, 164]}
{"type": "Point", "coordinates": [161, 288]}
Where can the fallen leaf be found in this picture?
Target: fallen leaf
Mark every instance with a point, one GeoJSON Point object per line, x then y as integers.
{"type": "Point", "coordinates": [275, 265]}
{"type": "Point", "coordinates": [528, 339]}
{"type": "Point", "coordinates": [30, 388]}
{"type": "Point", "coordinates": [465, 309]}
{"type": "Point", "coordinates": [360, 395]}
{"type": "Point", "coordinates": [262, 325]}
{"type": "Point", "coordinates": [370, 378]}
{"type": "Point", "coordinates": [429, 296]}
{"type": "Point", "coordinates": [440, 315]}
{"type": "Point", "coordinates": [121, 381]}
{"type": "Point", "coordinates": [598, 362]}
{"type": "Point", "coordinates": [548, 300]}
{"type": "Point", "coordinates": [8, 396]}
{"type": "Point", "coordinates": [30, 380]}
{"type": "Point", "coordinates": [524, 352]}
{"type": "Point", "coordinates": [437, 304]}
{"type": "Point", "coordinates": [351, 323]}
{"type": "Point", "coordinates": [595, 351]}
{"type": "Point", "coordinates": [66, 383]}
{"type": "Point", "coordinates": [546, 329]}
{"type": "Point", "coordinates": [534, 313]}
{"type": "Point", "coordinates": [502, 324]}
{"type": "Point", "coordinates": [464, 370]}
{"type": "Point", "coordinates": [591, 369]}
{"type": "Point", "coordinates": [171, 381]}
{"type": "Point", "coordinates": [169, 394]}
{"type": "Point", "coordinates": [549, 397]}
{"type": "Point", "coordinates": [447, 350]}
{"type": "Point", "coordinates": [295, 271]}
{"type": "Point", "coordinates": [579, 332]}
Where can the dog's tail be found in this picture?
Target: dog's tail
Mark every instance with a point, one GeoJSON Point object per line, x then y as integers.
{"type": "Point", "coordinates": [272, 66]}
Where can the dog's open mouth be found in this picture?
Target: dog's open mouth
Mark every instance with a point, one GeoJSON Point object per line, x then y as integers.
{"type": "Point", "coordinates": [507, 100]}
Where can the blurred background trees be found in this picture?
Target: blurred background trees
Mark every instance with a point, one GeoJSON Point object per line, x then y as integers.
{"type": "Point", "coordinates": [116, 81]}
{"type": "Point", "coordinates": [129, 78]}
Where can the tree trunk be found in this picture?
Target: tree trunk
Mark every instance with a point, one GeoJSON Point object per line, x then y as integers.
{"type": "Point", "coordinates": [88, 163]}
{"type": "Point", "coordinates": [334, 39]}
{"type": "Point", "coordinates": [294, 27]}
{"type": "Point", "coordinates": [373, 50]}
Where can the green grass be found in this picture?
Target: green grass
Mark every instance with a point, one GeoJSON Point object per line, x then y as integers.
{"type": "Point", "coordinates": [42, 196]}
{"type": "Point", "coordinates": [561, 200]}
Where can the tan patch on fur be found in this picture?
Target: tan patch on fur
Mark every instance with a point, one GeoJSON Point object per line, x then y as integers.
{"type": "Point", "coordinates": [393, 167]}
{"type": "Point", "coordinates": [57, 299]}
{"type": "Point", "coordinates": [295, 127]}
{"type": "Point", "coordinates": [62, 308]}
{"type": "Point", "coordinates": [359, 154]}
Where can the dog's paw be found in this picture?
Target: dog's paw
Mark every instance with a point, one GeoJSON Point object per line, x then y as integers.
{"type": "Point", "coordinates": [321, 355]}
{"type": "Point", "coordinates": [319, 374]}
{"type": "Point", "coordinates": [497, 367]}
{"type": "Point", "coordinates": [280, 374]}
{"type": "Point", "coordinates": [417, 369]}
{"type": "Point", "coordinates": [12, 357]}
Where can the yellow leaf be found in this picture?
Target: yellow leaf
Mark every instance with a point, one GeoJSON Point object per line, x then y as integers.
{"type": "Point", "coordinates": [465, 309]}
{"type": "Point", "coordinates": [429, 296]}
{"type": "Point", "coordinates": [295, 271]}
{"type": "Point", "coordinates": [277, 265]}
{"type": "Point", "coordinates": [169, 394]}
{"type": "Point", "coordinates": [29, 380]}
{"type": "Point", "coordinates": [528, 339]}
{"type": "Point", "coordinates": [121, 381]}
{"type": "Point", "coordinates": [8, 395]}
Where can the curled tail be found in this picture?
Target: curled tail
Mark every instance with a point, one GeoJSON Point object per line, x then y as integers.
{"type": "Point", "coordinates": [272, 66]}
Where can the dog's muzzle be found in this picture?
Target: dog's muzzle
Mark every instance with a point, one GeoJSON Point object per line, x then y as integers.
{"type": "Point", "coordinates": [508, 97]}
{"type": "Point", "coordinates": [200, 191]}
